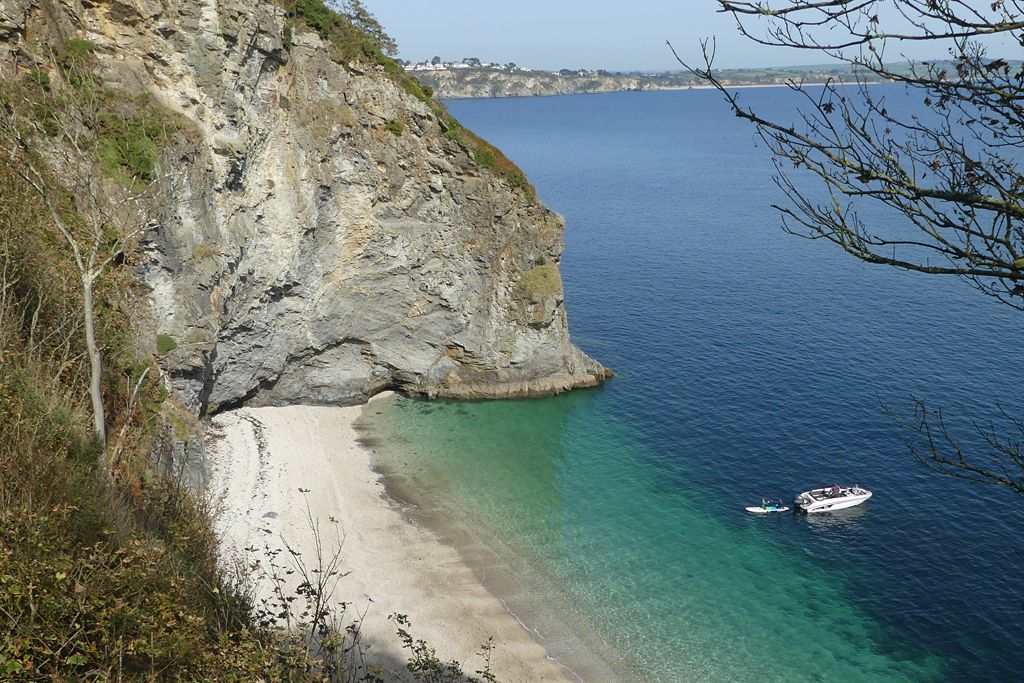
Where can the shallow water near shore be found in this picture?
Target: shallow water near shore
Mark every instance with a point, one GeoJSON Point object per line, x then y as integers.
{"type": "Point", "coordinates": [750, 364]}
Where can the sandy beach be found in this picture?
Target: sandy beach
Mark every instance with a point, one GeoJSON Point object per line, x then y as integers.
{"type": "Point", "coordinates": [275, 469]}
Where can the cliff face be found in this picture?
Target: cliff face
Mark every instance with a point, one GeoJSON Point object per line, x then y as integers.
{"type": "Point", "coordinates": [322, 239]}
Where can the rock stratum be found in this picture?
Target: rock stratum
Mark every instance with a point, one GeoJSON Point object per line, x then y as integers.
{"type": "Point", "coordinates": [321, 239]}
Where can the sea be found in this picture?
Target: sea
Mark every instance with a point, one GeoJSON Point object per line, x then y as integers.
{"type": "Point", "coordinates": [750, 364]}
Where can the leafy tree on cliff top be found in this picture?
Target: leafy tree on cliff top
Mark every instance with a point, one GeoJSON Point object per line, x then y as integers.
{"type": "Point", "coordinates": [954, 174]}
{"type": "Point", "coordinates": [362, 18]}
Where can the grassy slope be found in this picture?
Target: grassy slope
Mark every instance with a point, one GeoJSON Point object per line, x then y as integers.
{"type": "Point", "coordinates": [97, 579]}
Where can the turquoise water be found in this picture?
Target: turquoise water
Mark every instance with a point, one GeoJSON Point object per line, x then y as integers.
{"type": "Point", "coordinates": [560, 488]}
{"type": "Point", "coordinates": [750, 364]}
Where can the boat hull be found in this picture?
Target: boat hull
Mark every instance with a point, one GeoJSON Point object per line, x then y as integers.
{"type": "Point", "coordinates": [822, 500]}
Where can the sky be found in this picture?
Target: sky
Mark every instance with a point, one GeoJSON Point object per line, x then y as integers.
{"type": "Point", "coordinates": [597, 34]}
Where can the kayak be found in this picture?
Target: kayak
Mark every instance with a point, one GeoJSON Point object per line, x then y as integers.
{"type": "Point", "coordinates": [765, 509]}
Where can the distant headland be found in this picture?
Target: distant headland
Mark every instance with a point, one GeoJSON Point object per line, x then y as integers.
{"type": "Point", "coordinates": [473, 78]}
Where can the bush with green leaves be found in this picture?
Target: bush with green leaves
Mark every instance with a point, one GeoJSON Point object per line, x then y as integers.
{"type": "Point", "coordinates": [73, 59]}
{"type": "Point", "coordinates": [484, 156]}
{"type": "Point", "coordinates": [416, 89]}
{"type": "Point", "coordinates": [165, 344]}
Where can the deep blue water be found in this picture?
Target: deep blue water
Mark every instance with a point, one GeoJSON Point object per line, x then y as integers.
{"type": "Point", "coordinates": [750, 363]}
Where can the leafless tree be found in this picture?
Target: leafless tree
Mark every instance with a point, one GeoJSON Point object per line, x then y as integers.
{"type": "Point", "coordinates": [952, 171]}
{"type": "Point", "coordinates": [49, 140]}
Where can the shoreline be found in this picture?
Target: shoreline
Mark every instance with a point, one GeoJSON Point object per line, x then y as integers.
{"type": "Point", "coordinates": [278, 472]}
{"type": "Point", "coordinates": [567, 642]}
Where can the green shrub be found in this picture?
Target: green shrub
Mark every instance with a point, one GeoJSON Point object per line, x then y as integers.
{"type": "Point", "coordinates": [40, 78]}
{"type": "Point", "coordinates": [49, 124]}
{"type": "Point", "coordinates": [484, 157]}
{"type": "Point", "coordinates": [124, 149]}
{"type": "Point", "coordinates": [128, 145]}
{"type": "Point", "coordinates": [453, 134]}
{"type": "Point", "coordinates": [412, 87]}
{"type": "Point", "coordinates": [517, 181]}
{"type": "Point", "coordinates": [287, 37]}
{"type": "Point", "coordinates": [165, 344]}
{"type": "Point", "coordinates": [317, 16]}
{"type": "Point", "coordinates": [73, 59]}
{"type": "Point", "coordinates": [284, 102]}
{"type": "Point", "coordinates": [78, 50]}
{"type": "Point", "coordinates": [395, 127]}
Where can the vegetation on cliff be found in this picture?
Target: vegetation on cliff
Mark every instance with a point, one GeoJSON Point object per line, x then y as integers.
{"type": "Point", "coordinates": [108, 569]}
{"type": "Point", "coordinates": [97, 577]}
{"type": "Point", "coordinates": [364, 40]}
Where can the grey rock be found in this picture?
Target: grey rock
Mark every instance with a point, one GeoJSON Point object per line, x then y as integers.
{"type": "Point", "coordinates": [306, 254]}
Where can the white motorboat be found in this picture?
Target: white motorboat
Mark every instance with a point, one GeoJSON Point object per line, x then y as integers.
{"type": "Point", "coordinates": [830, 498]}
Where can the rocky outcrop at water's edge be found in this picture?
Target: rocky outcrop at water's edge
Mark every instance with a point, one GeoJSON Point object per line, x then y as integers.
{"type": "Point", "coordinates": [320, 239]}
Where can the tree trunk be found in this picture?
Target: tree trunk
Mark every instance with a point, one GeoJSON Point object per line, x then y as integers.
{"type": "Point", "coordinates": [95, 367]}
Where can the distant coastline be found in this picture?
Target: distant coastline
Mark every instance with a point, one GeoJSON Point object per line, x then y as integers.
{"type": "Point", "coordinates": [474, 79]}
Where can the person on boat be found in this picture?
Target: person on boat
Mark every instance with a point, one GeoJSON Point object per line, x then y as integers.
{"type": "Point", "coordinates": [780, 504]}
{"type": "Point", "coordinates": [856, 490]}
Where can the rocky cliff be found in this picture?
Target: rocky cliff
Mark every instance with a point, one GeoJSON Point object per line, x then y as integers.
{"type": "Point", "coordinates": [322, 238]}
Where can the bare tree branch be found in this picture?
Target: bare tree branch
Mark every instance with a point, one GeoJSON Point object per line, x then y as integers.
{"type": "Point", "coordinates": [955, 178]}
{"type": "Point", "coordinates": [936, 448]}
{"type": "Point", "coordinates": [948, 174]}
